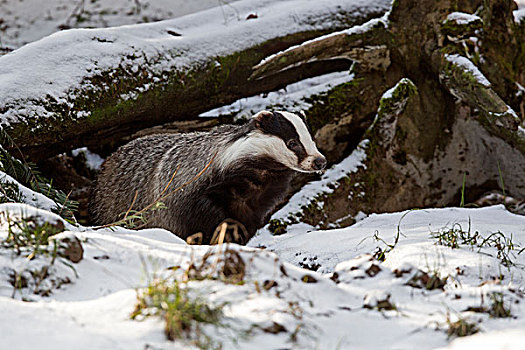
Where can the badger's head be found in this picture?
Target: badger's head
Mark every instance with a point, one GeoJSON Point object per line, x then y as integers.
{"type": "Point", "coordinates": [286, 138]}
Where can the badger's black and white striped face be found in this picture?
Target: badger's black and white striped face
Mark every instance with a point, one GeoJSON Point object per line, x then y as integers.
{"type": "Point", "coordinates": [282, 136]}
{"type": "Point", "coordinates": [290, 140]}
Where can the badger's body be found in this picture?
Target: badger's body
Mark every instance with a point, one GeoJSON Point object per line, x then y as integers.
{"type": "Point", "coordinates": [231, 172]}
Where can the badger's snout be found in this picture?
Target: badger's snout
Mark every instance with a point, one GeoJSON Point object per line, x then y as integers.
{"type": "Point", "coordinates": [313, 163]}
{"type": "Point", "coordinates": [319, 163]}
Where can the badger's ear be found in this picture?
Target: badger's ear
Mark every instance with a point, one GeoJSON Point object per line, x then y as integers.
{"type": "Point", "coordinates": [262, 119]}
{"type": "Point", "coordinates": [302, 115]}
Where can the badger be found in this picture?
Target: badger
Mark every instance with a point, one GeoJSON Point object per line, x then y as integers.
{"type": "Point", "coordinates": [232, 172]}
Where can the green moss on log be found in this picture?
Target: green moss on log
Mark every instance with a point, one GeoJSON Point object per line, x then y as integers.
{"type": "Point", "coordinates": [453, 28]}
{"type": "Point", "coordinates": [340, 100]}
{"type": "Point", "coordinates": [479, 95]}
{"type": "Point", "coordinates": [395, 100]}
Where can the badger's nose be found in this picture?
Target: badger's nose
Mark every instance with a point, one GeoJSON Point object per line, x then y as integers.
{"type": "Point", "coordinates": [319, 163]}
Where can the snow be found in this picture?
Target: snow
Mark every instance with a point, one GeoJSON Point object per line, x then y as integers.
{"type": "Point", "coordinates": [509, 339]}
{"type": "Point", "coordinates": [29, 196]}
{"type": "Point", "coordinates": [22, 210]}
{"type": "Point", "coordinates": [290, 98]}
{"type": "Point", "coordinates": [467, 64]}
{"type": "Point", "coordinates": [520, 91]}
{"type": "Point", "coordinates": [71, 57]}
{"type": "Point", "coordinates": [520, 12]}
{"type": "Point", "coordinates": [521, 131]}
{"type": "Point", "coordinates": [30, 20]}
{"type": "Point", "coordinates": [390, 92]}
{"type": "Point", "coordinates": [518, 15]}
{"type": "Point", "coordinates": [462, 18]}
{"type": "Point", "coordinates": [82, 325]}
{"type": "Point", "coordinates": [93, 160]}
{"type": "Point", "coordinates": [93, 311]}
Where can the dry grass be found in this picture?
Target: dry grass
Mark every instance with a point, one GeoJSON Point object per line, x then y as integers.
{"type": "Point", "coordinates": [183, 313]}
{"type": "Point", "coordinates": [461, 328]}
{"type": "Point", "coordinates": [183, 310]}
{"type": "Point", "coordinates": [455, 236]}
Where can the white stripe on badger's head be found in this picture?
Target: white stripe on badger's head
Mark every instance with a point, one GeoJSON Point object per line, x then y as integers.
{"type": "Point", "coordinates": [313, 160]}
{"type": "Point", "coordinates": [284, 137]}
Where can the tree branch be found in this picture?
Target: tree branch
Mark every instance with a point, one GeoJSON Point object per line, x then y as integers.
{"type": "Point", "coordinates": [366, 44]}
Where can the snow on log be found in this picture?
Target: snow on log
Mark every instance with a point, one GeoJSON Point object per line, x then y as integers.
{"type": "Point", "coordinates": [466, 82]}
{"type": "Point", "coordinates": [519, 15]}
{"type": "Point", "coordinates": [363, 43]}
{"type": "Point", "coordinates": [78, 87]}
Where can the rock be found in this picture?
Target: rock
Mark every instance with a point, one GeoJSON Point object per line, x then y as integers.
{"type": "Point", "coordinates": [69, 247]}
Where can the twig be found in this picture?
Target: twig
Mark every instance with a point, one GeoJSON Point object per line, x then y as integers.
{"type": "Point", "coordinates": [171, 180]}
{"type": "Point", "coordinates": [186, 183]}
{"type": "Point", "coordinates": [138, 6]}
{"type": "Point", "coordinates": [224, 2]}
{"type": "Point", "coordinates": [63, 205]}
{"type": "Point", "coordinates": [79, 6]}
{"type": "Point", "coordinates": [195, 238]}
{"type": "Point", "coordinates": [132, 203]}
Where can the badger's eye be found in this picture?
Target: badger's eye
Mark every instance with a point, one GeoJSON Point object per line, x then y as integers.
{"type": "Point", "coordinates": [293, 143]}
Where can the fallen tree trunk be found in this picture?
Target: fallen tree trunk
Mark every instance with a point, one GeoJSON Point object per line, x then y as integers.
{"type": "Point", "coordinates": [95, 87]}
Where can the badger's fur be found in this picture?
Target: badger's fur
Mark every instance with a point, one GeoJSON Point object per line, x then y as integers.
{"type": "Point", "coordinates": [247, 173]}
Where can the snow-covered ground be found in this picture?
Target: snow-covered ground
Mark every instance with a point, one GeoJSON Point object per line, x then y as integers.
{"type": "Point", "coordinates": [305, 289]}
